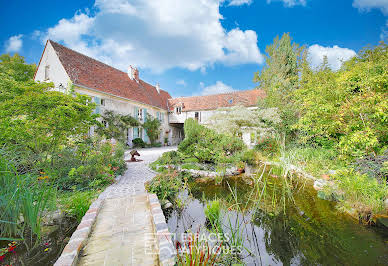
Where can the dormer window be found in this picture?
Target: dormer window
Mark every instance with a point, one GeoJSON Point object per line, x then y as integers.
{"type": "Point", "coordinates": [46, 72]}
{"type": "Point", "coordinates": [230, 101]}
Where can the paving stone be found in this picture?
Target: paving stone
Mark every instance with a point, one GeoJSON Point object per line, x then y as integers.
{"type": "Point", "coordinates": [123, 233]}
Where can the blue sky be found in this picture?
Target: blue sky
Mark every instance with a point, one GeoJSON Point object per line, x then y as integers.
{"type": "Point", "coordinates": [192, 47]}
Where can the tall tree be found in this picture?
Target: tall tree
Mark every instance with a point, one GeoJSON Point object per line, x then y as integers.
{"type": "Point", "coordinates": [279, 78]}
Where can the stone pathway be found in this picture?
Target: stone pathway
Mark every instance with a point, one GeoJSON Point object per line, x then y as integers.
{"type": "Point", "coordinates": [123, 232]}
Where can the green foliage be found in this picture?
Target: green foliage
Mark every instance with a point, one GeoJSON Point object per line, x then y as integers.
{"type": "Point", "coordinates": [189, 166]}
{"type": "Point", "coordinates": [208, 146]}
{"type": "Point", "coordinates": [268, 146]}
{"type": "Point", "coordinates": [279, 79]}
{"type": "Point", "coordinates": [77, 204]}
{"type": "Point", "coordinates": [152, 127]}
{"type": "Point", "coordinates": [213, 214]}
{"type": "Point", "coordinates": [117, 125]}
{"type": "Point", "coordinates": [166, 185]}
{"type": "Point", "coordinates": [249, 157]}
{"type": "Point", "coordinates": [16, 68]}
{"type": "Point", "coordinates": [138, 143]}
{"type": "Point", "coordinates": [86, 165]}
{"type": "Point", "coordinates": [347, 109]}
{"type": "Point", "coordinates": [22, 198]}
{"type": "Point", "coordinates": [362, 192]}
{"type": "Point", "coordinates": [191, 160]}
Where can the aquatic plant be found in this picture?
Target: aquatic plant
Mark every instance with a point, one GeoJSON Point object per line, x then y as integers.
{"type": "Point", "coordinates": [196, 251]}
{"type": "Point", "coordinates": [213, 214]}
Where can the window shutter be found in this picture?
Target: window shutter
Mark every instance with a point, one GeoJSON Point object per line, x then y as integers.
{"type": "Point", "coordinates": [144, 114]}
{"type": "Point", "coordinates": [135, 115]}
{"type": "Point", "coordinates": [97, 100]}
{"type": "Point", "coordinates": [135, 132]}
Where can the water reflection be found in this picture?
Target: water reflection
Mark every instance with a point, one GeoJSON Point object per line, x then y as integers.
{"type": "Point", "coordinates": [304, 231]}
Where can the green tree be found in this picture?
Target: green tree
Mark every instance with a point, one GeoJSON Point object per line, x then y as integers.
{"type": "Point", "coordinates": [279, 78]}
{"type": "Point", "coordinates": [347, 108]}
{"type": "Point", "coordinates": [35, 119]}
{"type": "Point", "coordinates": [152, 126]}
{"type": "Point", "coordinates": [116, 125]}
{"type": "Point", "coordinates": [16, 67]}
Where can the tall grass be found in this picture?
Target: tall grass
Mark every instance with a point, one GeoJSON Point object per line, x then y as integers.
{"type": "Point", "coordinates": [22, 202]}
{"type": "Point", "coordinates": [213, 214]}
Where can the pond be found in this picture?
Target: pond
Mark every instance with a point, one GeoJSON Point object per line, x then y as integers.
{"type": "Point", "coordinates": [279, 226]}
{"type": "Point", "coordinates": [47, 250]}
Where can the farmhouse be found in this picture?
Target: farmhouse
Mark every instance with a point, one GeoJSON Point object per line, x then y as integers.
{"type": "Point", "coordinates": [125, 93]}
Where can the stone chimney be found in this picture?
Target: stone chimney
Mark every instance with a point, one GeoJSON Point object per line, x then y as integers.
{"type": "Point", "coordinates": [131, 72]}
{"type": "Point", "coordinates": [157, 87]}
{"type": "Point", "coordinates": [136, 74]}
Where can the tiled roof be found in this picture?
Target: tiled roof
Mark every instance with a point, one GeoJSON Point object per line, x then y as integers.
{"type": "Point", "coordinates": [93, 74]}
{"type": "Point", "coordinates": [209, 102]}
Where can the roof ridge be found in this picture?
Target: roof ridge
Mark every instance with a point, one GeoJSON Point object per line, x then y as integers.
{"type": "Point", "coordinates": [99, 62]}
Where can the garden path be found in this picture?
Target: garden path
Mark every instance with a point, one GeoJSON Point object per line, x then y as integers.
{"type": "Point", "coordinates": [121, 234]}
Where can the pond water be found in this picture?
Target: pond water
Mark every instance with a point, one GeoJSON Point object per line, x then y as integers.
{"type": "Point", "coordinates": [280, 226]}
{"type": "Point", "coordinates": [47, 250]}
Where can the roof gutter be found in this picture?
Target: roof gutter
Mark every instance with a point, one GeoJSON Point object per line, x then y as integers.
{"type": "Point", "coordinates": [110, 94]}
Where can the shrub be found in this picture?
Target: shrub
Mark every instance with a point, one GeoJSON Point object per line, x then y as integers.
{"type": "Point", "coordinates": [191, 160]}
{"type": "Point", "coordinates": [361, 192]}
{"type": "Point", "coordinates": [249, 157]}
{"type": "Point", "coordinates": [138, 143]}
{"type": "Point", "coordinates": [88, 164]}
{"type": "Point", "coordinates": [77, 204]}
{"type": "Point", "coordinates": [373, 166]}
{"type": "Point", "coordinates": [208, 146]}
{"type": "Point", "coordinates": [268, 146]}
{"type": "Point", "coordinates": [165, 185]}
{"type": "Point", "coordinates": [190, 166]}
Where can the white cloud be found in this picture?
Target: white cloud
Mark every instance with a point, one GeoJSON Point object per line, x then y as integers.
{"type": "Point", "coordinates": [14, 43]}
{"type": "Point", "coordinates": [181, 82]}
{"type": "Point", "coordinates": [367, 5]}
{"type": "Point", "coordinates": [158, 35]}
{"type": "Point", "coordinates": [289, 3]}
{"type": "Point", "coordinates": [240, 2]}
{"type": "Point", "coordinates": [335, 55]}
{"type": "Point", "coordinates": [384, 32]}
{"type": "Point", "coordinates": [219, 87]}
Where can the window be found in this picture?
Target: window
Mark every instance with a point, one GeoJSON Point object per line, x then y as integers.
{"type": "Point", "coordinates": [46, 72]}
{"type": "Point", "coordinates": [103, 102]}
{"type": "Point", "coordinates": [140, 114]}
{"type": "Point", "coordinates": [178, 110]}
{"type": "Point", "coordinates": [196, 115]}
{"type": "Point", "coordinates": [230, 101]}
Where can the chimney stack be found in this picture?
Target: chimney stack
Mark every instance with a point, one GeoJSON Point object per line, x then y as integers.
{"type": "Point", "coordinates": [157, 87]}
{"type": "Point", "coordinates": [133, 73]}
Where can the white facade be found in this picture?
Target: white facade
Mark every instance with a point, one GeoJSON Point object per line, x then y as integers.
{"type": "Point", "coordinates": [50, 69]}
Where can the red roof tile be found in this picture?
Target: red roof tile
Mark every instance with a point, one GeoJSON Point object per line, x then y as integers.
{"type": "Point", "coordinates": [88, 72]}
{"type": "Point", "coordinates": [209, 102]}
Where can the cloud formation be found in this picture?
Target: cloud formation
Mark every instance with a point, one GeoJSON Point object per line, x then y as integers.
{"type": "Point", "coordinates": [289, 3]}
{"type": "Point", "coordinates": [181, 82]}
{"type": "Point", "coordinates": [367, 5]}
{"type": "Point", "coordinates": [219, 87]}
{"type": "Point", "coordinates": [240, 2]}
{"type": "Point", "coordinates": [14, 44]}
{"type": "Point", "coordinates": [335, 55]}
{"type": "Point", "coordinates": [157, 34]}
